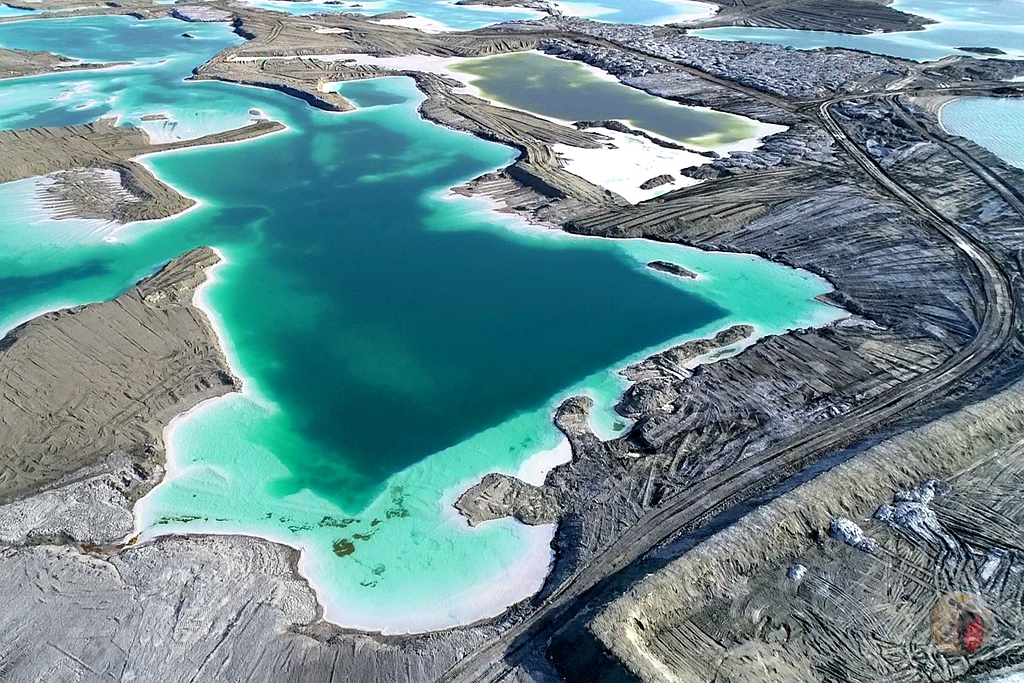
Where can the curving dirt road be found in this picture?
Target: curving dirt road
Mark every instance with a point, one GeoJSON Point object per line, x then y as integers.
{"type": "Point", "coordinates": [717, 493]}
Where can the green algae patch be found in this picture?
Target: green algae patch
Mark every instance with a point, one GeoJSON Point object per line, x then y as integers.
{"type": "Point", "coordinates": [336, 523]}
{"type": "Point", "coordinates": [343, 547]}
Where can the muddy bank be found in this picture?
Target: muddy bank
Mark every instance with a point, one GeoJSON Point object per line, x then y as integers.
{"type": "Point", "coordinates": [135, 363]}
{"type": "Point", "coordinates": [74, 155]}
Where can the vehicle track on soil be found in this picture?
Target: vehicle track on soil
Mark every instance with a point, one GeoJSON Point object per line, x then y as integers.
{"type": "Point", "coordinates": [716, 494]}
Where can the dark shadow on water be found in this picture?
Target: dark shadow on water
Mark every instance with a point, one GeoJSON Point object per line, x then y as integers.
{"type": "Point", "coordinates": [366, 94]}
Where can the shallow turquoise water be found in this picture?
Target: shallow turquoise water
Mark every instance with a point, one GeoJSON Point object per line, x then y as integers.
{"type": "Point", "coordinates": [986, 23]}
{"type": "Point", "coordinates": [153, 84]}
{"type": "Point", "coordinates": [996, 124]}
{"type": "Point", "coordinates": [471, 17]}
{"type": "Point", "coordinates": [395, 342]}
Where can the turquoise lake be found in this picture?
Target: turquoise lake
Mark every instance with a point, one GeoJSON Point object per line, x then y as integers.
{"type": "Point", "coordinates": [396, 342]}
{"type": "Point", "coordinates": [989, 23]}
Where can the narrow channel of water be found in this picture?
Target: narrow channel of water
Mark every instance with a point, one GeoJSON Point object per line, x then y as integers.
{"type": "Point", "coordinates": [991, 23]}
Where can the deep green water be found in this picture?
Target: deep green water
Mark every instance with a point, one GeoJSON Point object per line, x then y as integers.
{"type": "Point", "coordinates": [396, 342]}
{"type": "Point", "coordinates": [570, 91]}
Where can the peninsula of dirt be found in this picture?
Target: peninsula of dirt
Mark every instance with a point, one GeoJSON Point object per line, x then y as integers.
{"type": "Point", "coordinates": [83, 383]}
{"type": "Point", "coordinates": [77, 156]}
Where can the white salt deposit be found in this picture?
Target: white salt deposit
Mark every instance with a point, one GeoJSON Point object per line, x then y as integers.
{"type": "Point", "coordinates": [419, 23]}
{"type": "Point", "coordinates": [535, 470]}
{"type": "Point", "coordinates": [628, 161]}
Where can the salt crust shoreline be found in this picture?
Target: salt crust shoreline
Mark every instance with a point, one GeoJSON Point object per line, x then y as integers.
{"type": "Point", "coordinates": [419, 23]}
{"type": "Point", "coordinates": [627, 162]}
{"type": "Point", "coordinates": [515, 584]}
{"type": "Point", "coordinates": [535, 470]}
{"type": "Point", "coordinates": [938, 113]}
{"type": "Point", "coordinates": [622, 166]}
{"type": "Point", "coordinates": [160, 137]}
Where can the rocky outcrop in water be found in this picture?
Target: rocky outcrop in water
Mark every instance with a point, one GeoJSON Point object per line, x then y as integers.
{"type": "Point", "coordinates": [656, 181]}
{"type": "Point", "coordinates": [672, 269]}
{"type": "Point", "coordinates": [499, 495]}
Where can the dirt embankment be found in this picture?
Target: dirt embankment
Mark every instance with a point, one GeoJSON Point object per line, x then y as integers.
{"type": "Point", "coordinates": [18, 63]}
{"type": "Point", "coordinates": [81, 383]}
{"type": "Point", "coordinates": [785, 590]}
{"type": "Point", "coordinates": [839, 16]}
